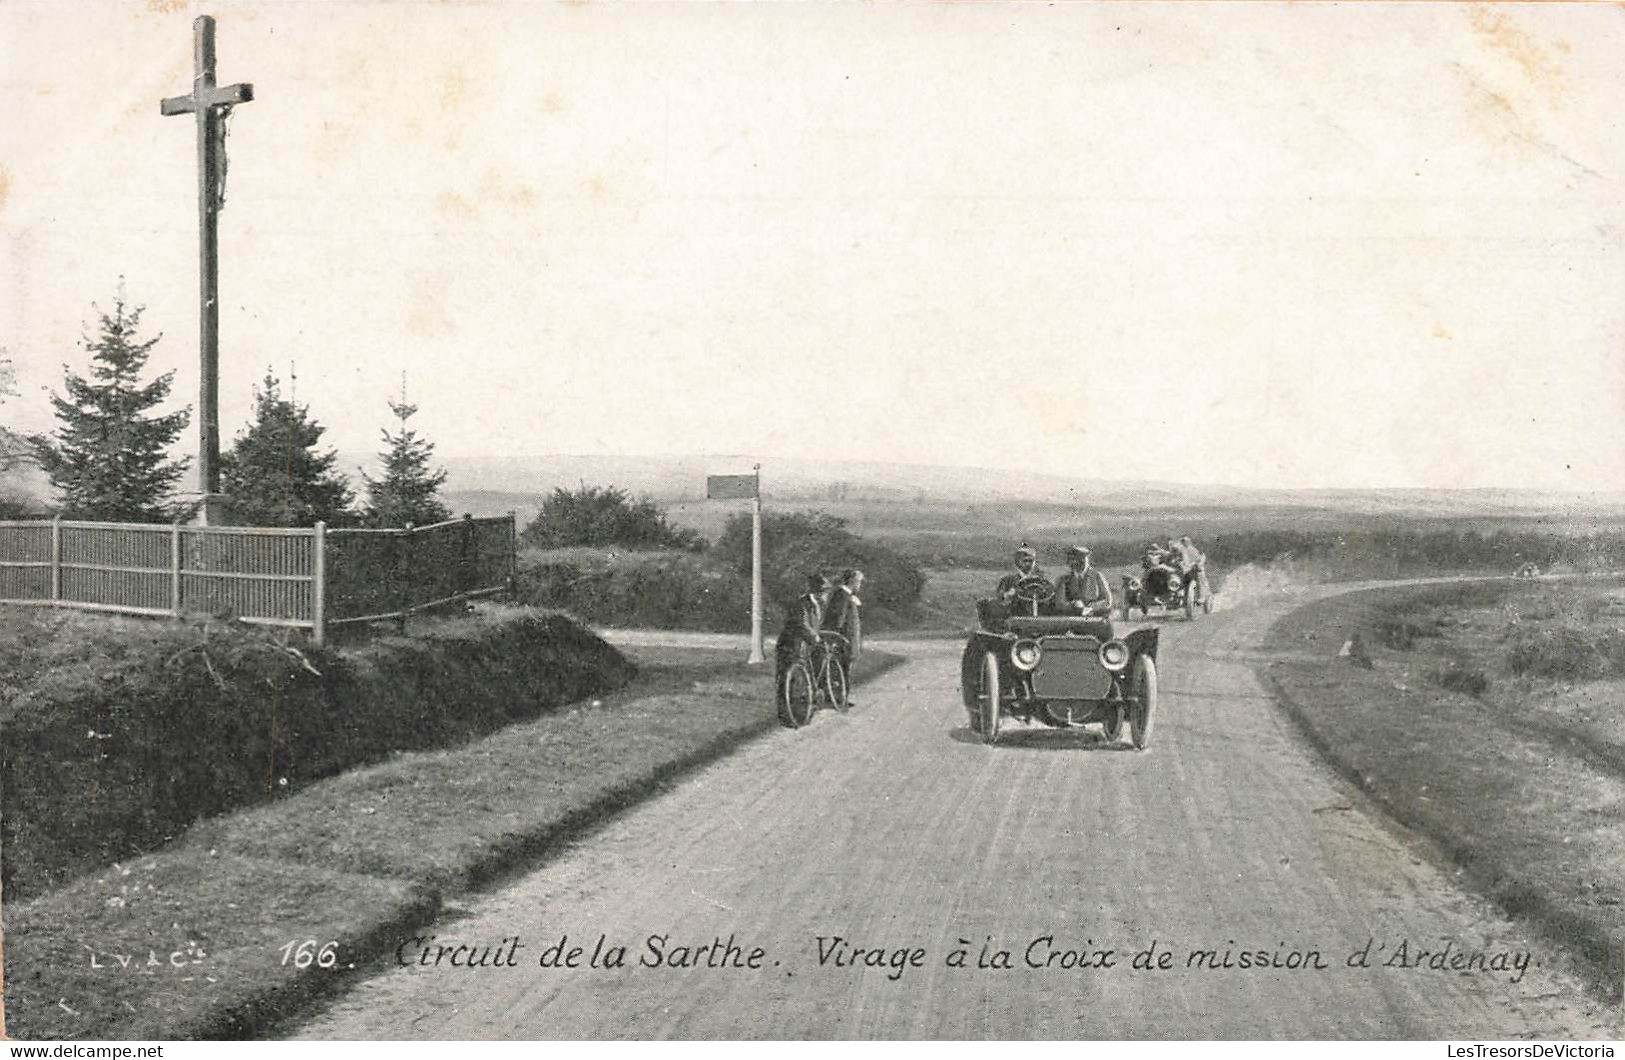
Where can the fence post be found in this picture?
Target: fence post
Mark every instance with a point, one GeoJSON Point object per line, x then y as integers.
{"type": "Point", "coordinates": [402, 567]}
{"type": "Point", "coordinates": [513, 555]}
{"type": "Point", "coordinates": [56, 559]}
{"type": "Point", "coordinates": [318, 584]}
{"type": "Point", "coordinates": [467, 558]}
{"type": "Point", "coordinates": [175, 568]}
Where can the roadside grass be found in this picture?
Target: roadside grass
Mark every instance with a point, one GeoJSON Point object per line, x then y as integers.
{"type": "Point", "coordinates": [119, 734]}
{"type": "Point", "coordinates": [1515, 769]}
{"type": "Point", "coordinates": [361, 858]}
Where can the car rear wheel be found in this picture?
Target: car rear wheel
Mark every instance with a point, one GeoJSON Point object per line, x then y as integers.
{"type": "Point", "coordinates": [796, 697]}
{"type": "Point", "coordinates": [990, 698]}
{"type": "Point", "coordinates": [1143, 707]}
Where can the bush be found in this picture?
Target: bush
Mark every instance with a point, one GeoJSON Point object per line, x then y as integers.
{"type": "Point", "coordinates": [1567, 653]}
{"type": "Point", "coordinates": [1463, 677]}
{"type": "Point", "coordinates": [115, 745]}
{"type": "Point", "coordinates": [1401, 633]}
{"type": "Point", "coordinates": [603, 515]}
{"type": "Point", "coordinates": [794, 544]}
{"type": "Point", "coordinates": [664, 590]}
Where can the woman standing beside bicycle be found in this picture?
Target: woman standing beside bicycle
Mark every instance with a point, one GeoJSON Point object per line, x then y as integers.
{"type": "Point", "coordinates": [800, 632]}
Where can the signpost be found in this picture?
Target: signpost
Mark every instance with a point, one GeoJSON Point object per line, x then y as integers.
{"type": "Point", "coordinates": [738, 487]}
{"type": "Point", "coordinates": [211, 104]}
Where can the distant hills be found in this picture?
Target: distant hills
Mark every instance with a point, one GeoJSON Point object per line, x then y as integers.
{"type": "Point", "coordinates": [495, 484]}
{"type": "Point", "coordinates": [503, 481]}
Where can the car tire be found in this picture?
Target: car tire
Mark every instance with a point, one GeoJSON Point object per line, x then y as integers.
{"type": "Point", "coordinates": [1113, 726]}
{"type": "Point", "coordinates": [970, 685]}
{"type": "Point", "coordinates": [1143, 708]}
{"type": "Point", "coordinates": [989, 698]}
{"type": "Point", "coordinates": [796, 696]}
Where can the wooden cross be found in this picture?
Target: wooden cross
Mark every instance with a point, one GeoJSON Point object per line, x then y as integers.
{"type": "Point", "coordinates": [211, 104]}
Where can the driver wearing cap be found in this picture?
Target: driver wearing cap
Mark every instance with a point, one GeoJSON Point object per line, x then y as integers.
{"type": "Point", "coordinates": [1026, 567]}
{"type": "Point", "coordinates": [1082, 590]}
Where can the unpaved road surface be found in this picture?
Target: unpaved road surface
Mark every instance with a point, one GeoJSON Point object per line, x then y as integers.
{"type": "Point", "coordinates": [893, 827]}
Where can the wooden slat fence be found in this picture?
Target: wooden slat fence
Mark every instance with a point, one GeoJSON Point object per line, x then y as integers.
{"type": "Point", "coordinates": [303, 577]}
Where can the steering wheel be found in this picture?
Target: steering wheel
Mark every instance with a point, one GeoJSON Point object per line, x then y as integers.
{"type": "Point", "coordinates": [1034, 590]}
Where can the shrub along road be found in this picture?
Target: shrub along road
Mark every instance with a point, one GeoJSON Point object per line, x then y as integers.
{"type": "Point", "coordinates": [1228, 845]}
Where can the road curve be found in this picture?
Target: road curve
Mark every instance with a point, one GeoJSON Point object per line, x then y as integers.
{"type": "Point", "coordinates": [893, 827]}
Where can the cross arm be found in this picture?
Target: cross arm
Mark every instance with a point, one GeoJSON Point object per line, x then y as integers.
{"type": "Point", "coordinates": [224, 95]}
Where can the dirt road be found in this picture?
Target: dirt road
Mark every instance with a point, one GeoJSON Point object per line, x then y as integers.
{"type": "Point", "coordinates": [892, 827]}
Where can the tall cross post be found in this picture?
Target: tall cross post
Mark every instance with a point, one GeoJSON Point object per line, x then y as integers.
{"type": "Point", "coordinates": [210, 103]}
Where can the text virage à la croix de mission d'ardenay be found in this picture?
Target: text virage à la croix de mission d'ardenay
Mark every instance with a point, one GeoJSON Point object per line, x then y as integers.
{"type": "Point", "coordinates": [1046, 952]}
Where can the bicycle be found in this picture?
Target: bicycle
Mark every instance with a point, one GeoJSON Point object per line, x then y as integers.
{"type": "Point", "coordinates": [818, 678]}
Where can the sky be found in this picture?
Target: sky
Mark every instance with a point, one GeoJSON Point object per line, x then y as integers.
{"type": "Point", "coordinates": [1267, 245]}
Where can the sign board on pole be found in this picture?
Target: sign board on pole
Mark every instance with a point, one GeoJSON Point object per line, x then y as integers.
{"type": "Point", "coordinates": [730, 487]}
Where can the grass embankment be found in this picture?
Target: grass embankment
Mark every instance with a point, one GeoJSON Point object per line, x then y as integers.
{"type": "Point", "coordinates": [119, 733]}
{"type": "Point", "coordinates": [1490, 717]}
{"type": "Point", "coordinates": [357, 859]}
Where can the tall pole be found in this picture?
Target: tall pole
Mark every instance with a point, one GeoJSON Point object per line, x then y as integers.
{"type": "Point", "coordinates": [208, 261]}
{"type": "Point", "coordinates": [209, 103]}
{"type": "Point", "coordinates": [756, 572]}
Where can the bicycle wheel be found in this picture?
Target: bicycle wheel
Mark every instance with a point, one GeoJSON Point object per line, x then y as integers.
{"type": "Point", "coordinates": [835, 684]}
{"type": "Point", "coordinates": [796, 696]}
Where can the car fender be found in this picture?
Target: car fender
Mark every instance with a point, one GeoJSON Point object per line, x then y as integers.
{"type": "Point", "coordinates": [1143, 642]}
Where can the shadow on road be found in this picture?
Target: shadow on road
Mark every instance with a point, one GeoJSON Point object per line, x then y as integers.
{"type": "Point", "coordinates": [1043, 738]}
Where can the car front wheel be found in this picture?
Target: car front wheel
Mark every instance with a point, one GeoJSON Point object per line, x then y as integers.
{"type": "Point", "coordinates": [1114, 722]}
{"type": "Point", "coordinates": [990, 698]}
{"type": "Point", "coordinates": [1143, 708]}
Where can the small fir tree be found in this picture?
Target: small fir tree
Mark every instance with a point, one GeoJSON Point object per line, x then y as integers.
{"type": "Point", "coordinates": [409, 491]}
{"type": "Point", "coordinates": [107, 459]}
{"type": "Point", "coordinates": [274, 474]}
{"type": "Point", "coordinates": [14, 449]}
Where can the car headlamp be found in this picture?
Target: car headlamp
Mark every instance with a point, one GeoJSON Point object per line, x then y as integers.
{"type": "Point", "coordinates": [1024, 654]}
{"type": "Point", "coordinates": [1114, 655]}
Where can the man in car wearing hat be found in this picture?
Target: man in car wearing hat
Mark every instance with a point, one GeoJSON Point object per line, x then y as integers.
{"type": "Point", "coordinates": [1082, 590]}
{"type": "Point", "coordinates": [1026, 567]}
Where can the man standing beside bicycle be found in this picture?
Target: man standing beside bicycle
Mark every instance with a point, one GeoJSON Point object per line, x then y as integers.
{"type": "Point", "coordinates": [844, 618]}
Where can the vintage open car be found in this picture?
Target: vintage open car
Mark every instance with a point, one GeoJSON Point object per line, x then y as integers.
{"type": "Point", "coordinates": [1064, 671]}
{"type": "Point", "coordinates": [1164, 586]}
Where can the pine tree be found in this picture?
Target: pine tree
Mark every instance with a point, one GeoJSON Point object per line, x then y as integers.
{"type": "Point", "coordinates": [409, 491]}
{"type": "Point", "coordinates": [107, 458]}
{"type": "Point", "coordinates": [14, 449]}
{"type": "Point", "coordinates": [274, 474]}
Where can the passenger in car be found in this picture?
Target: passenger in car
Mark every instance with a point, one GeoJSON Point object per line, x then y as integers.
{"type": "Point", "coordinates": [1082, 590]}
{"type": "Point", "coordinates": [1193, 564]}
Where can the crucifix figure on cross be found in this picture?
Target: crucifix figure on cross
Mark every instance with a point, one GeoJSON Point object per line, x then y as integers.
{"type": "Point", "coordinates": [211, 104]}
